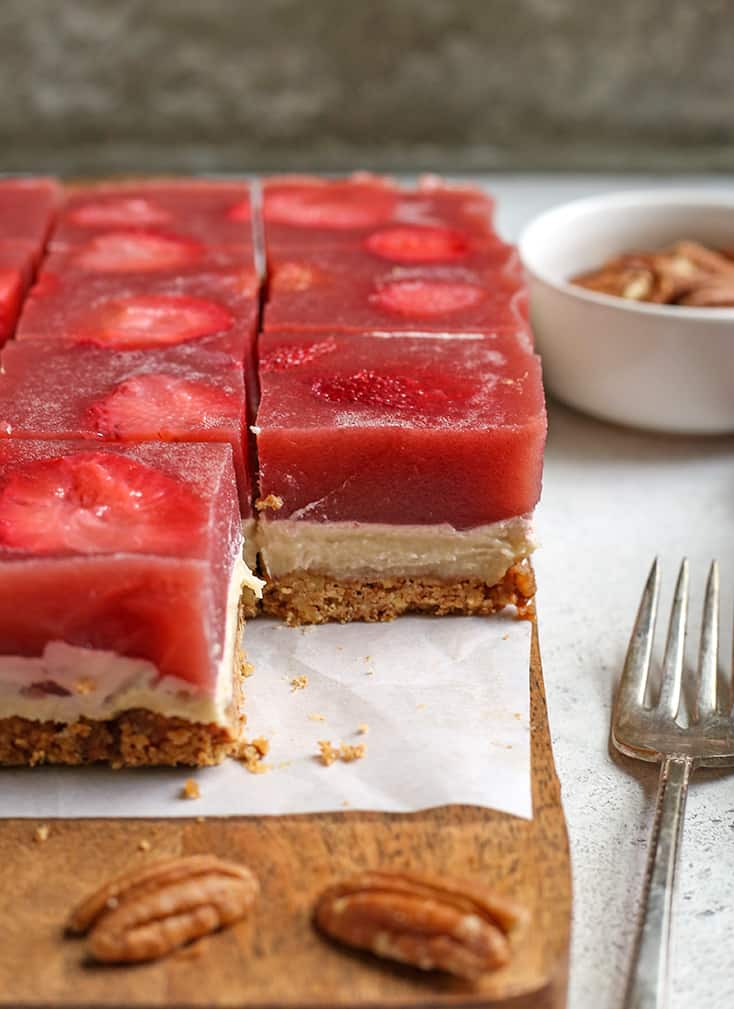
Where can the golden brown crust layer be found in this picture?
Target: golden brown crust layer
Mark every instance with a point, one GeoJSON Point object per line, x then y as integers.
{"type": "Point", "coordinates": [308, 598]}
{"type": "Point", "coordinates": [134, 738]}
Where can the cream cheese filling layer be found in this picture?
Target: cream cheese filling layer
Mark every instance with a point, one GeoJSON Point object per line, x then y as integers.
{"type": "Point", "coordinates": [97, 684]}
{"type": "Point", "coordinates": [360, 549]}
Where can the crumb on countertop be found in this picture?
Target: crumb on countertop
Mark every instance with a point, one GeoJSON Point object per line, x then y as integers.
{"type": "Point", "coordinates": [190, 789]}
{"type": "Point", "coordinates": [299, 683]}
{"type": "Point", "coordinates": [346, 752]}
{"type": "Point", "coordinates": [41, 834]}
{"type": "Point", "coordinates": [144, 845]}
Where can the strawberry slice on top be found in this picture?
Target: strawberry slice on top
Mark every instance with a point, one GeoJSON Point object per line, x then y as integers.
{"type": "Point", "coordinates": [415, 297]}
{"type": "Point", "coordinates": [118, 212]}
{"type": "Point", "coordinates": [96, 502]}
{"type": "Point", "coordinates": [131, 251]}
{"type": "Point", "coordinates": [338, 205]}
{"type": "Point", "coordinates": [153, 320]}
{"type": "Point", "coordinates": [166, 404]}
{"type": "Point", "coordinates": [411, 244]}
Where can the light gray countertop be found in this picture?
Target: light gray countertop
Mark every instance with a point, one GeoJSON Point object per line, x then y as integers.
{"type": "Point", "coordinates": [612, 499]}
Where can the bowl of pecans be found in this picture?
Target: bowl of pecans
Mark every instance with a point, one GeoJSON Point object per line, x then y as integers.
{"type": "Point", "coordinates": [632, 300]}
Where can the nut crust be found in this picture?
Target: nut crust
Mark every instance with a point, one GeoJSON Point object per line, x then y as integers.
{"type": "Point", "coordinates": [432, 924]}
{"type": "Point", "coordinates": [147, 913]}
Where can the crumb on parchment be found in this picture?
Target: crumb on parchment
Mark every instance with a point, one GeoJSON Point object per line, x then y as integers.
{"type": "Point", "coordinates": [363, 728]}
{"type": "Point", "coordinates": [251, 753]}
{"type": "Point", "coordinates": [41, 834]}
{"type": "Point", "coordinates": [345, 752]}
{"type": "Point", "coordinates": [190, 789]}
{"type": "Point", "coordinates": [299, 683]}
{"type": "Point", "coordinates": [316, 717]}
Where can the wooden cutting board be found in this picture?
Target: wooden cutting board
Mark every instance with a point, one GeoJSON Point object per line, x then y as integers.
{"type": "Point", "coordinates": [277, 960]}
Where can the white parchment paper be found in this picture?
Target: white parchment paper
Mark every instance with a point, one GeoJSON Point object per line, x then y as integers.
{"type": "Point", "coordinates": [445, 704]}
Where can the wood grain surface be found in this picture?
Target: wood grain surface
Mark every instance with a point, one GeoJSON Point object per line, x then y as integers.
{"type": "Point", "coordinates": [276, 959]}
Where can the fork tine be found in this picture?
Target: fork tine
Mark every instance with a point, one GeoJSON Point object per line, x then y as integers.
{"type": "Point", "coordinates": [675, 647]}
{"type": "Point", "coordinates": [708, 656]}
{"type": "Point", "coordinates": [639, 651]}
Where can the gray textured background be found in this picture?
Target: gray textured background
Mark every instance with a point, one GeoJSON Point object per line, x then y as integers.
{"type": "Point", "coordinates": [458, 85]}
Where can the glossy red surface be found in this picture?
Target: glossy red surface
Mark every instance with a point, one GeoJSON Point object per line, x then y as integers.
{"type": "Point", "coordinates": [305, 211]}
{"type": "Point", "coordinates": [141, 538]}
{"type": "Point", "coordinates": [350, 289]}
{"type": "Point", "coordinates": [215, 311]}
{"type": "Point", "coordinates": [214, 213]}
{"type": "Point", "coordinates": [406, 430]}
{"type": "Point", "coordinates": [176, 394]}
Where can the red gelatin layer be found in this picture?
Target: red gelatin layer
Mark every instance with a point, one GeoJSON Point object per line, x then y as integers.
{"type": "Point", "coordinates": [139, 312]}
{"type": "Point", "coordinates": [178, 394]}
{"type": "Point", "coordinates": [27, 209]}
{"type": "Point", "coordinates": [142, 541]}
{"type": "Point", "coordinates": [305, 211]}
{"type": "Point", "coordinates": [416, 430]}
{"type": "Point", "coordinates": [351, 290]}
{"type": "Point", "coordinates": [215, 213]}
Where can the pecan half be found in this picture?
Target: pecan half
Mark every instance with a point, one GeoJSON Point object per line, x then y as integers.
{"type": "Point", "coordinates": [432, 924]}
{"type": "Point", "coordinates": [686, 274]}
{"type": "Point", "coordinates": [147, 913]}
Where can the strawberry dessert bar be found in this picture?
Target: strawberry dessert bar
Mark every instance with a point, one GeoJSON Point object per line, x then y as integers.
{"type": "Point", "coordinates": [121, 569]}
{"type": "Point", "coordinates": [397, 473]}
{"type": "Point", "coordinates": [27, 210]}
{"type": "Point", "coordinates": [27, 207]}
{"type": "Point", "coordinates": [307, 212]}
{"type": "Point", "coordinates": [204, 211]}
{"type": "Point", "coordinates": [351, 289]}
{"type": "Point", "coordinates": [170, 395]}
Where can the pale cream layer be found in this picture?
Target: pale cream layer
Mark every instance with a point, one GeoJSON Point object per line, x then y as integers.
{"type": "Point", "coordinates": [359, 549]}
{"type": "Point", "coordinates": [102, 684]}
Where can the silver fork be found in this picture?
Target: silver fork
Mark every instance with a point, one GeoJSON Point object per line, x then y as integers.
{"type": "Point", "coordinates": [655, 733]}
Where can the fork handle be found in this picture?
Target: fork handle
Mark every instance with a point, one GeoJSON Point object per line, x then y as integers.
{"type": "Point", "coordinates": [648, 983]}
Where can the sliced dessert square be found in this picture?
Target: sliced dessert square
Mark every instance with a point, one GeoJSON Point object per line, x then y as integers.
{"type": "Point", "coordinates": [27, 210]}
{"type": "Point", "coordinates": [210, 211]}
{"type": "Point", "coordinates": [121, 569]}
{"type": "Point", "coordinates": [142, 312]}
{"type": "Point", "coordinates": [147, 251]}
{"type": "Point", "coordinates": [306, 211]}
{"type": "Point", "coordinates": [397, 474]}
{"type": "Point", "coordinates": [49, 389]}
{"type": "Point", "coordinates": [350, 289]}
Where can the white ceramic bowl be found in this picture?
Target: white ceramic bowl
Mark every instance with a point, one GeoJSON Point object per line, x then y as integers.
{"type": "Point", "coordinates": [653, 366]}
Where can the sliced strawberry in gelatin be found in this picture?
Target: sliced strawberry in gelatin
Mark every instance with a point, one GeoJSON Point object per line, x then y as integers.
{"type": "Point", "coordinates": [338, 205]}
{"type": "Point", "coordinates": [155, 320]}
{"type": "Point", "coordinates": [427, 297]}
{"type": "Point", "coordinates": [118, 212]}
{"type": "Point", "coordinates": [167, 404]}
{"type": "Point", "coordinates": [96, 502]}
{"type": "Point", "coordinates": [136, 251]}
{"type": "Point", "coordinates": [418, 245]}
